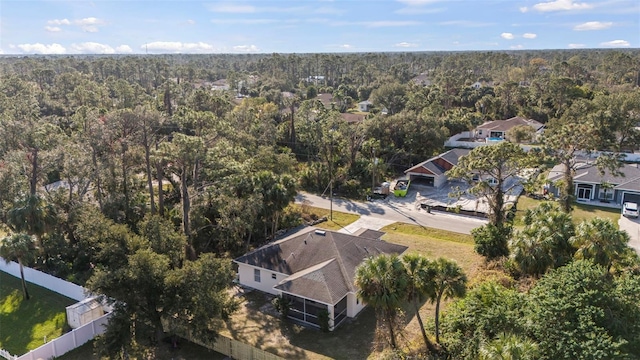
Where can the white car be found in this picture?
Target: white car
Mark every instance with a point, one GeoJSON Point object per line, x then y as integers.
{"type": "Point", "coordinates": [630, 209]}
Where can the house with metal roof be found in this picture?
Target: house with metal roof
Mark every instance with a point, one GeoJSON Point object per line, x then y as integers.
{"type": "Point", "coordinates": [315, 270]}
{"type": "Point", "coordinates": [596, 188]}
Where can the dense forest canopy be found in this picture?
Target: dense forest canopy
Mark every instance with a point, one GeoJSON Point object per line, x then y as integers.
{"type": "Point", "coordinates": [118, 164]}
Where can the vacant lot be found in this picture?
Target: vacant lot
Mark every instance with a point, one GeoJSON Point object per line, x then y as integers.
{"type": "Point", "coordinates": [24, 324]}
{"type": "Point", "coordinates": [580, 211]}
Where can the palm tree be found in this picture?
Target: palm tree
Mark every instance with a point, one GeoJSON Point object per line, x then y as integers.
{"type": "Point", "coordinates": [509, 347]}
{"type": "Point", "coordinates": [449, 281]}
{"type": "Point", "coordinates": [544, 241]}
{"type": "Point", "coordinates": [19, 247]}
{"type": "Point", "coordinates": [383, 283]}
{"type": "Point", "coordinates": [420, 275]}
{"type": "Point", "coordinates": [599, 240]}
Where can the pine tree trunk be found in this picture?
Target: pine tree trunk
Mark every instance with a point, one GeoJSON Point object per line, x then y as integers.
{"type": "Point", "coordinates": [24, 284]}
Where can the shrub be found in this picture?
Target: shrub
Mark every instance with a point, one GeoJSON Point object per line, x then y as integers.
{"type": "Point", "coordinates": [282, 305]}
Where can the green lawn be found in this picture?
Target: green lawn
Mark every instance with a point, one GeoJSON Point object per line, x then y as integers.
{"type": "Point", "coordinates": [25, 323]}
{"type": "Point", "coordinates": [580, 211]}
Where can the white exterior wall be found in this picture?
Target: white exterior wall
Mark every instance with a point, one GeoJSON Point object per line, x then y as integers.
{"type": "Point", "coordinates": [439, 180]}
{"type": "Point", "coordinates": [266, 284]}
{"type": "Point", "coordinates": [353, 307]}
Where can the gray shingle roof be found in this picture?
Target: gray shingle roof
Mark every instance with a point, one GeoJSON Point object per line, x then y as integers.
{"type": "Point", "coordinates": [589, 173]}
{"type": "Point", "coordinates": [321, 267]}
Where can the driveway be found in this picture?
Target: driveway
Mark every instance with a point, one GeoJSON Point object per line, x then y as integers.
{"type": "Point", "coordinates": [632, 227]}
{"type": "Point", "coordinates": [378, 213]}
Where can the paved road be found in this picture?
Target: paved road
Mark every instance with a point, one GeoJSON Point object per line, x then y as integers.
{"type": "Point", "coordinates": [395, 210]}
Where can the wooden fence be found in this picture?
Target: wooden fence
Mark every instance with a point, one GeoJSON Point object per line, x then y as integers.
{"type": "Point", "coordinates": [230, 347]}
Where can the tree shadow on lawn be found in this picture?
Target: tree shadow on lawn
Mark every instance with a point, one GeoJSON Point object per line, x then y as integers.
{"type": "Point", "coordinates": [254, 327]}
{"type": "Point", "coordinates": [24, 324]}
{"type": "Point", "coordinates": [258, 324]}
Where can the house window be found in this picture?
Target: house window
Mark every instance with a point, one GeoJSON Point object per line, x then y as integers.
{"type": "Point", "coordinates": [606, 194]}
{"type": "Point", "coordinates": [273, 276]}
{"type": "Point", "coordinates": [357, 301]}
{"type": "Point", "coordinates": [479, 132]}
{"type": "Point", "coordinates": [256, 275]}
{"type": "Point", "coordinates": [492, 181]}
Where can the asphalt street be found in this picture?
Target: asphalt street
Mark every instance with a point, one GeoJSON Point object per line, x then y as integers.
{"type": "Point", "coordinates": [395, 210]}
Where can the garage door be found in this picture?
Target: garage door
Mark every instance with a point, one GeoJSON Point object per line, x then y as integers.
{"type": "Point", "coordinates": [631, 197]}
{"type": "Point", "coordinates": [422, 180]}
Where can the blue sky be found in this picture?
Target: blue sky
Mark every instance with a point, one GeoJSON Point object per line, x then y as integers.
{"type": "Point", "coordinates": [301, 26]}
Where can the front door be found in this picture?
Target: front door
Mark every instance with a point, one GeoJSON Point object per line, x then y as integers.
{"type": "Point", "coordinates": [584, 193]}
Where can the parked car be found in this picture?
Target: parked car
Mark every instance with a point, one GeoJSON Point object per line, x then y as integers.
{"type": "Point", "coordinates": [630, 209]}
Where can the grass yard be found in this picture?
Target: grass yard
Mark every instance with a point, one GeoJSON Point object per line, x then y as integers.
{"type": "Point", "coordinates": [355, 339]}
{"type": "Point", "coordinates": [340, 219]}
{"type": "Point", "coordinates": [24, 324]}
{"type": "Point", "coordinates": [580, 211]}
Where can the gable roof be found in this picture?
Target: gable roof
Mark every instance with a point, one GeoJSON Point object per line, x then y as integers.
{"type": "Point", "coordinates": [325, 99]}
{"type": "Point", "coordinates": [432, 167]}
{"type": "Point", "coordinates": [321, 264]}
{"type": "Point", "coordinates": [505, 125]}
{"type": "Point", "coordinates": [587, 172]}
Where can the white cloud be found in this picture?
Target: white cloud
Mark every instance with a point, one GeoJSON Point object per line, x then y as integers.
{"type": "Point", "coordinates": [232, 8]}
{"type": "Point", "coordinates": [524, 9]}
{"type": "Point", "coordinates": [178, 47]}
{"type": "Point", "coordinates": [517, 47]}
{"type": "Point", "coordinates": [413, 7]}
{"type": "Point", "coordinates": [561, 5]}
{"type": "Point", "coordinates": [124, 49]}
{"type": "Point", "coordinates": [345, 46]}
{"type": "Point", "coordinates": [529, 36]}
{"type": "Point", "coordinates": [59, 22]}
{"type": "Point", "coordinates": [616, 43]}
{"type": "Point", "coordinates": [191, 22]}
{"type": "Point", "coordinates": [39, 48]}
{"type": "Point", "coordinates": [508, 36]}
{"type": "Point", "coordinates": [405, 44]}
{"type": "Point", "coordinates": [243, 21]}
{"type": "Point", "coordinates": [92, 48]}
{"type": "Point", "coordinates": [417, 2]}
{"type": "Point", "coordinates": [246, 48]}
{"type": "Point", "coordinates": [329, 10]}
{"type": "Point", "coordinates": [89, 24]}
{"type": "Point", "coordinates": [593, 25]}
{"type": "Point", "coordinates": [52, 28]}
{"type": "Point", "coordinates": [576, 46]}
{"type": "Point", "coordinates": [465, 23]}
{"type": "Point", "coordinates": [389, 23]}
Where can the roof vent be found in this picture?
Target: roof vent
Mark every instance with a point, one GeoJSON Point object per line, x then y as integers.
{"type": "Point", "coordinates": [320, 232]}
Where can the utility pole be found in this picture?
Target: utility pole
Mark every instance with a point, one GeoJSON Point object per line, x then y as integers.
{"type": "Point", "coordinates": [331, 181]}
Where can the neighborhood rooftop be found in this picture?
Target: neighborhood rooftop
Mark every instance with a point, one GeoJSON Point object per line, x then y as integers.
{"type": "Point", "coordinates": [506, 125]}
{"type": "Point", "coordinates": [321, 264]}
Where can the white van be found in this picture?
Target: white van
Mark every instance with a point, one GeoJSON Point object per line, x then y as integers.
{"type": "Point", "coordinates": [630, 209]}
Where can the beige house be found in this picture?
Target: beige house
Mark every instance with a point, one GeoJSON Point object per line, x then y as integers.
{"type": "Point", "coordinates": [497, 129]}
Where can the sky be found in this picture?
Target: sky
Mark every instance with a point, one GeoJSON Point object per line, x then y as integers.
{"type": "Point", "coordinates": [313, 26]}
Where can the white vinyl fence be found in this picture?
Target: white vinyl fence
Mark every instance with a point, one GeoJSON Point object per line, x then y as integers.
{"type": "Point", "coordinates": [68, 341]}
{"type": "Point", "coordinates": [47, 281]}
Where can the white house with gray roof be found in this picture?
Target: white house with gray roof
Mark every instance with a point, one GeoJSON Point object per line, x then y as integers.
{"type": "Point", "coordinates": [595, 188]}
{"type": "Point", "coordinates": [315, 270]}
